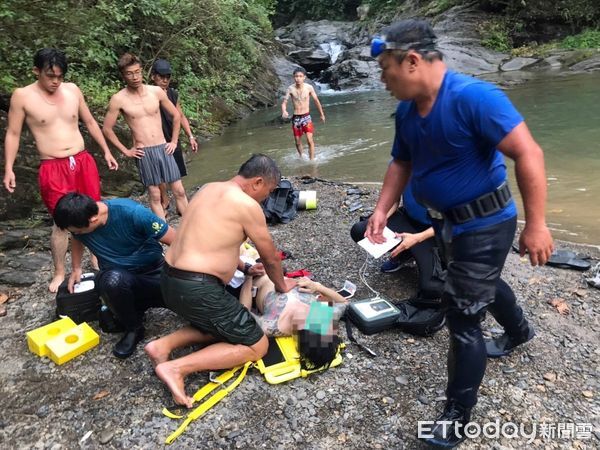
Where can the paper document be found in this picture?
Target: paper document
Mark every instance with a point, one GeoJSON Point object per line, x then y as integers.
{"type": "Point", "coordinates": [377, 250]}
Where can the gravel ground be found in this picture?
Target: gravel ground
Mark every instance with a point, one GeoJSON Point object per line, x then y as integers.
{"type": "Point", "coordinates": [364, 403]}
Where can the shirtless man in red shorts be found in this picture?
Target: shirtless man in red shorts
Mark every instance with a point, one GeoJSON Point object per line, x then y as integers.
{"type": "Point", "coordinates": [301, 120]}
{"type": "Point", "coordinates": [52, 110]}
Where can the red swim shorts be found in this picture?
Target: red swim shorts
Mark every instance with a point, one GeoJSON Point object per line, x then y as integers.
{"type": "Point", "coordinates": [302, 123]}
{"type": "Point", "coordinates": [77, 173]}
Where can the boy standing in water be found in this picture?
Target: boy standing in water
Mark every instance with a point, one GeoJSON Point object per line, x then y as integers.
{"type": "Point", "coordinates": [301, 120]}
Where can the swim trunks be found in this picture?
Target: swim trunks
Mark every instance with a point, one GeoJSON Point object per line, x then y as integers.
{"type": "Point", "coordinates": [302, 123]}
{"type": "Point", "coordinates": [157, 167]}
{"type": "Point", "coordinates": [202, 299]}
{"type": "Point", "coordinates": [59, 176]}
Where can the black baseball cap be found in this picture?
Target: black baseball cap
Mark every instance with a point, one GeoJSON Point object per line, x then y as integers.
{"type": "Point", "coordinates": [161, 67]}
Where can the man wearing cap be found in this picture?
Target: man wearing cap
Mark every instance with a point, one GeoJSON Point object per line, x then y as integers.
{"type": "Point", "coordinates": [451, 132]}
{"type": "Point", "coordinates": [140, 104]}
{"type": "Point", "coordinates": [161, 76]}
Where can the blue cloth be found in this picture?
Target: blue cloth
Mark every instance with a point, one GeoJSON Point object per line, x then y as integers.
{"type": "Point", "coordinates": [129, 239]}
{"type": "Point", "coordinates": [414, 210]}
{"type": "Point", "coordinates": [453, 149]}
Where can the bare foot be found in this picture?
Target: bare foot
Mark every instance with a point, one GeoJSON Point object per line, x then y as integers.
{"type": "Point", "coordinates": [56, 281]}
{"type": "Point", "coordinates": [174, 381]}
{"type": "Point", "coordinates": [155, 353]}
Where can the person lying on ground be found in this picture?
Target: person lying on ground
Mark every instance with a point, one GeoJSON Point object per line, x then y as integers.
{"type": "Point", "coordinates": [285, 314]}
{"type": "Point", "coordinates": [201, 260]}
{"type": "Point", "coordinates": [126, 237]}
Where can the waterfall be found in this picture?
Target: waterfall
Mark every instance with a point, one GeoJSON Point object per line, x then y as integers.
{"type": "Point", "coordinates": [333, 49]}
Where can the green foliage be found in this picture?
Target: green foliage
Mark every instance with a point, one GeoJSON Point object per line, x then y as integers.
{"type": "Point", "coordinates": [213, 45]}
{"type": "Point", "coordinates": [435, 7]}
{"type": "Point", "coordinates": [495, 35]}
{"type": "Point", "coordinates": [587, 39]}
{"type": "Point", "coordinates": [577, 13]}
{"type": "Point", "coordinates": [287, 10]}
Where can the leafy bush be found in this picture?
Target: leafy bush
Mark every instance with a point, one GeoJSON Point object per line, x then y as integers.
{"type": "Point", "coordinates": [495, 35]}
{"type": "Point", "coordinates": [587, 39]}
{"type": "Point", "coordinates": [213, 45]}
{"type": "Point", "coordinates": [288, 10]}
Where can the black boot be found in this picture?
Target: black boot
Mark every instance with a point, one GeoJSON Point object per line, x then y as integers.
{"type": "Point", "coordinates": [448, 435]}
{"type": "Point", "coordinates": [126, 346]}
{"type": "Point", "coordinates": [505, 344]}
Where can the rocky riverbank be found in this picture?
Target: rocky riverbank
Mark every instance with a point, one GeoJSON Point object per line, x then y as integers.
{"type": "Point", "coordinates": [338, 53]}
{"type": "Point", "coordinates": [96, 400]}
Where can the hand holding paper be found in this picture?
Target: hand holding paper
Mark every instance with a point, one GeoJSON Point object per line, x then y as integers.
{"type": "Point", "coordinates": [377, 250]}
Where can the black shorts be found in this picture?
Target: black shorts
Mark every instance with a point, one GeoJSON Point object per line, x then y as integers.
{"type": "Point", "coordinates": [203, 300]}
{"type": "Point", "coordinates": [179, 159]}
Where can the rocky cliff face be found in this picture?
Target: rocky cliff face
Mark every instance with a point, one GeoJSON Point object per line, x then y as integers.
{"type": "Point", "coordinates": [338, 54]}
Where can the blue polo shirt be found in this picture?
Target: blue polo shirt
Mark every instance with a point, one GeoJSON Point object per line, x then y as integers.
{"type": "Point", "coordinates": [453, 149]}
{"type": "Point", "coordinates": [129, 239]}
{"type": "Point", "coordinates": [415, 210]}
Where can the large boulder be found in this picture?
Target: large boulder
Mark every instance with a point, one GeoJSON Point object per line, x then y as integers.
{"type": "Point", "coordinates": [312, 34]}
{"type": "Point", "coordinates": [460, 42]}
{"type": "Point", "coordinates": [353, 74]}
{"type": "Point", "coordinates": [313, 60]}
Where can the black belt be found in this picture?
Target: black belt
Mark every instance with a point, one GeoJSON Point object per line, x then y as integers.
{"type": "Point", "coordinates": [191, 276]}
{"type": "Point", "coordinates": [483, 206]}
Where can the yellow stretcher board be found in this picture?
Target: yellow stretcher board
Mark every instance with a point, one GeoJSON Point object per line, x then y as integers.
{"type": "Point", "coordinates": [281, 363]}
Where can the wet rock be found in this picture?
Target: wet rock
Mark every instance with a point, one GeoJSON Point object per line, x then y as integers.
{"type": "Point", "coordinates": [313, 60]}
{"type": "Point", "coordinates": [42, 411]}
{"type": "Point", "coordinates": [424, 400]}
{"type": "Point", "coordinates": [16, 278]}
{"type": "Point", "coordinates": [518, 64]}
{"type": "Point", "coordinates": [588, 65]}
{"type": "Point", "coordinates": [550, 376]}
{"type": "Point", "coordinates": [106, 436]}
{"type": "Point", "coordinates": [402, 380]}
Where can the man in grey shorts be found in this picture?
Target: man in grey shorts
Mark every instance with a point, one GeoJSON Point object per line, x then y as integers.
{"type": "Point", "coordinates": [140, 104]}
{"type": "Point", "coordinates": [201, 261]}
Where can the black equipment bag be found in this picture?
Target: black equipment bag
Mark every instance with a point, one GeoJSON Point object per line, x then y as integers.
{"type": "Point", "coordinates": [281, 205]}
{"type": "Point", "coordinates": [83, 306]}
{"type": "Point", "coordinates": [418, 319]}
{"type": "Point", "coordinates": [413, 316]}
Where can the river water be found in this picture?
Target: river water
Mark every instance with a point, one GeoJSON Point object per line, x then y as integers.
{"type": "Point", "coordinates": [354, 145]}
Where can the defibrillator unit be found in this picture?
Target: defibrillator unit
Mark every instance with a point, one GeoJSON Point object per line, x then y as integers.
{"type": "Point", "coordinates": [373, 315]}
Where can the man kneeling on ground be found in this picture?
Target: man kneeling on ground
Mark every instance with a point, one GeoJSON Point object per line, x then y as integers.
{"type": "Point", "coordinates": [201, 261]}
{"type": "Point", "coordinates": [125, 236]}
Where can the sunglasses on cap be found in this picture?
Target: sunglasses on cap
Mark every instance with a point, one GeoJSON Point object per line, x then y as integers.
{"type": "Point", "coordinates": [379, 45]}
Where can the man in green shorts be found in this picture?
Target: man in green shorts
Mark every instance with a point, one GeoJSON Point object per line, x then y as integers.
{"type": "Point", "coordinates": [201, 261]}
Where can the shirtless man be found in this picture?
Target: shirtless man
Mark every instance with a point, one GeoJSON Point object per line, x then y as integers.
{"type": "Point", "coordinates": [140, 104]}
{"type": "Point", "coordinates": [52, 110]}
{"type": "Point", "coordinates": [301, 120]}
{"type": "Point", "coordinates": [161, 76]}
{"type": "Point", "coordinates": [201, 261]}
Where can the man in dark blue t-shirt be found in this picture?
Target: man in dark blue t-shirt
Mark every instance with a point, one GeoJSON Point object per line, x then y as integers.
{"type": "Point", "coordinates": [451, 132]}
{"type": "Point", "coordinates": [125, 237]}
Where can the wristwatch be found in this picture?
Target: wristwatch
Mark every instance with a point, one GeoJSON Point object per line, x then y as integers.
{"type": "Point", "coordinates": [247, 267]}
